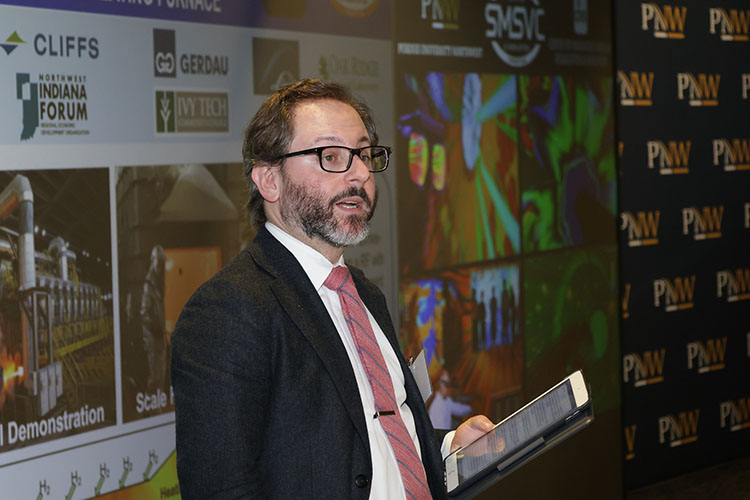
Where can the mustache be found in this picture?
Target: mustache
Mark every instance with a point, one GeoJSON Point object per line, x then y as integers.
{"type": "Point", "coordinates": [353, 191]}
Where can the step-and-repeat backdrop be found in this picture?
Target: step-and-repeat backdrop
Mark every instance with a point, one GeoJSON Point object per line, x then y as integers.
{"type": "Point", "coordinates": [683, 81]}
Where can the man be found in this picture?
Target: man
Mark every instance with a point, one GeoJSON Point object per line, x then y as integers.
{"type": "Point", "coordinates": [443, 408]}
{"type": "Point", "coordinates": [272, 396]}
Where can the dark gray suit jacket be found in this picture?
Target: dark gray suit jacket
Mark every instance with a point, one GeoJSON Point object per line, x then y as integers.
{"type": "Point", "coordinates": [266, 401]}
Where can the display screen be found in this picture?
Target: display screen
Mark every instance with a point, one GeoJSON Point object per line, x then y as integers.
{"type": "Point", "coordinates": [516, 431]}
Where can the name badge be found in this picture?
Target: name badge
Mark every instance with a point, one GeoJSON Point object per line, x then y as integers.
{"type": "Point", "coordinates": [418, 368]}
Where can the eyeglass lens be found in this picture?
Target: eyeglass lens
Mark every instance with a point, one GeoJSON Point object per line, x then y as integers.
{"type": "Point", "coordinates": [337, 158]}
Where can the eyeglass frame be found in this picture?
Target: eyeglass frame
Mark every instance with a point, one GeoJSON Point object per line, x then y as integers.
{"type": "Point", "coordinates": [352, 151]}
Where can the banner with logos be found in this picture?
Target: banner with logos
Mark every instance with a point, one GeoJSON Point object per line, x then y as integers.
{"type": "Point", "coordinates": [121, 190]}
{"type": "Point", "coordinates": [507, 216]}
{"type": "Point", "coordinates": [683, 82]}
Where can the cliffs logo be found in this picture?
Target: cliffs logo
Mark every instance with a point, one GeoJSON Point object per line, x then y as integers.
{"type": "Point", "coordinates": [732, 154]}
{"type": "Point", "coordinates": [56, 103]}
{"type": "Point", "coordinates": [626, 301]}
{"type": "Point", "coordinates": [679, 429]}
{"type": "Point", "coordinates": [735, 286]}
{"type": "Point", "coordinates": [191, 112]}
{"type": "Point", "coordinates": [704, 222]}
{"type": "Point", "coordinates": [644, 369]}
{"type": "Point", "coordinates": [11, 43]}
{"type": "Point", "coordinates": [630, 441]}
{"type": "Point", "coordinates": [735, 415]}
{"type": "Point", "coordinates": [701, 90]}
{"type": "Point", "coordinates": [674, 295]}
{"type": "Point", "coordinates": [642, 227]}
{"type": "Point", "coordinates": [442, 14]}
{"type": "Point", "coordinates": [666, 21]}
{"type": "Point", "coordinates": [672, 157]}
{"type": "Point", "coordinates": [732, 25]}
{"type": "Point", "coordinates": [635, 88]}
{"type": "Point", "coordinates": [708, 356]}
{"type": "Point", "coordinates": [514, 31]}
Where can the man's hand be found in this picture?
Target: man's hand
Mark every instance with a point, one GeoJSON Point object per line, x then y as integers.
{"type": "Point", "coordinates": [470, 430]}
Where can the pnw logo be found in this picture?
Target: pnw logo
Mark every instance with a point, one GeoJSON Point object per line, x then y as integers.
{"type": "Point", "coordinates": [735, 286]}
{"type": "Point", "coordinates": [674, 295]}
{"type": "Point", "coordinates": [701, 90]}
{"type": "Point", "coordinates": [679, 429]}
{"type": "Point", "coordinates": [734, 154]}
{"type": "Point", "coordinates": [515, 31]}
{"type": "Point", "coordinates": [667, 21]}
{"type": "Point", "coordinates": [630, 441]}
{"type": "Point", "coordinates": [735, 415]}
{"type": "Point", "coordinates": [635, 88]}
{"type": "Point", "coordinates": [642, 227]}
{"type": "Point", "coordinates": [11, 43]}
{"type": "Point", "coordinates": [705, 222]}
{"type": "Point", "coordinates": [707, 357]}
{"type": "Point", "coordinates": [672, 157]}
{"type": "Point", "coordinates": [644, 369]}
{"type": "Point", "coordinates": [442, 13]}
{"type": "Point", "coordinates": [733, 26]}
{"type": "Point", "coordinates": [745, 86]}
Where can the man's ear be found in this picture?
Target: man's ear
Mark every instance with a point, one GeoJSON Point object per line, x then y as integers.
{"type": "Point", "coordinates": [267, 178]}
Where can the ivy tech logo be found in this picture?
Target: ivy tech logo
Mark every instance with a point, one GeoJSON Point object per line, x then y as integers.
{"type": "Point", "coordinates": [11, 43]}
{"type": "Point", "coordinates": [181, 112]}
{"type": "Point", "coordinates": [165, 116]}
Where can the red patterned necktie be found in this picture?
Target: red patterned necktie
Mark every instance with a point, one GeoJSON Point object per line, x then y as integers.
{"type": "Point", "coordinates": [388, 413]}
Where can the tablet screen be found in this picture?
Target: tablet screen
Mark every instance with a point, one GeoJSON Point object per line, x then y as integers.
{"type": "Point", "coordinates": [516, 430]}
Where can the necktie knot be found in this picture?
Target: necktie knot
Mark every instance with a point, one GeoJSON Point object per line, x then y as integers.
{"type": "Point", "coordinates": [337, 278]}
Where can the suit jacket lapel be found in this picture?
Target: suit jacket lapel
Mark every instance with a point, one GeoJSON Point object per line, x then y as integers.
{"type": "Point", "coordinates": [301, 302]}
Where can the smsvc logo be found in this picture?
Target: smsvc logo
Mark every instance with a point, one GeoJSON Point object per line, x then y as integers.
{"type": "Point", "coordinates": [515, 31]}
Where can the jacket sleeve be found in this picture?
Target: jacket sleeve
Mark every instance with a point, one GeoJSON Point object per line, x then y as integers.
{"type": "Point", "coordinates": [221, 380]}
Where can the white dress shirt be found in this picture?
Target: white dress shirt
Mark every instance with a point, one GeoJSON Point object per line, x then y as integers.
{"type": "Point", "coordinates": [386, 480]}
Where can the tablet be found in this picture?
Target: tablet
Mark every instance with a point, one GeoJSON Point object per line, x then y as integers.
{"type": "Point", "coordinates": [518, 435]}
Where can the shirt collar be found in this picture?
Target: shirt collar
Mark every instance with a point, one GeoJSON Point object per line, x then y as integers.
{"type": "Point", "coordinates": [316, 265]}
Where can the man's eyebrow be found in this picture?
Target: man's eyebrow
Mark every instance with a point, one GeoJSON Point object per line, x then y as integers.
{"type": "Point", "coordinates": [338, 140]}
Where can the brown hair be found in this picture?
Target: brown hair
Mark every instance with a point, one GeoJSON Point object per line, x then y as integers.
{"type": "Point", "coordinates": [270, 132]}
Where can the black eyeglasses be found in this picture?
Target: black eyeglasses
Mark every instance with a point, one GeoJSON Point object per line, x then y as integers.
{"type": "Point", "coordinates": [338, 159]}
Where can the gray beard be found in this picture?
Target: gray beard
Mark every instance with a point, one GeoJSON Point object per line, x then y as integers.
{"type": "Point", "coordinates": [307, 209]}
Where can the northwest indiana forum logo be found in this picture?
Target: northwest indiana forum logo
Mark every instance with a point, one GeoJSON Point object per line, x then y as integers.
{"type": "Point", "coordinates": [56, 103]}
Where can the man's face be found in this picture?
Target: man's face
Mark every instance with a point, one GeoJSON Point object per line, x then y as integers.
{"type": "Point", "coordinates": [334, 208]}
